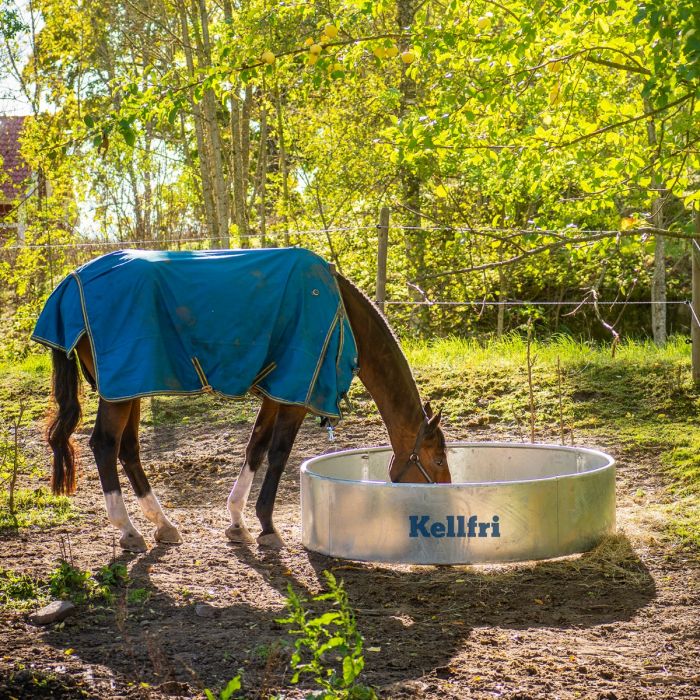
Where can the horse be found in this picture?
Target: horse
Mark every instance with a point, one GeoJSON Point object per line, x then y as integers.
{"type": "Point", "coordinates": [417, 440]}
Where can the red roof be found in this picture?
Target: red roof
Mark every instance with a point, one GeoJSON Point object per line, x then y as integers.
{"type": "Point", "coordinates": [14, 169]}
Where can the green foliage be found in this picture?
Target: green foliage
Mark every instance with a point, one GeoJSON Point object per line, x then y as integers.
{"type": "Point", "coordinates": [227, 692]}
{"type": "Point", "coordinates": [19, 590]}
{"type": "Point", "coordinates": [138, 596]}
{"type": "Point", "coordinates": [113, 575]}
{"type": "Point", "coordinates": [11, 23]}
{"type": "Point", "coordinates": [327, 647]}
{"type": "Point", "coordinates": [35, 508]}
{"type": "Point", "coordinates": [517, 128]}
{"type": "Point", "coordinates": [68, 582]}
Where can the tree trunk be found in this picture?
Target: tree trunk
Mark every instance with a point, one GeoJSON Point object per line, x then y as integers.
{"type": "Point", "coordinates": [409, 181]}
{"type": "Point", "coordinates": [260, 184]}
{"type": "Point", "coordinates": [658, 281]}
{"type": "Point", "coordinates": [211, 125]}
{"type": "Point", "coordinates": [138, 228]}
{"type": "Point", "coordinates": [204, 169]}
{"type": "Point", "coordinates": [695, 304]}
{"type": "Point", "coordinates": [239, 160]}
{"type": "Point", "coordinates": [502, 294]}
{"type": "Point", "coordinates": [282, 164]}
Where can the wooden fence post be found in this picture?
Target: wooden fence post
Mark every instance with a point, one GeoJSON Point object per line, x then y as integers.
{"type": "Point", "coordinates": [382, 249]}
{"type": "Point", "coordinates": [695, 302]}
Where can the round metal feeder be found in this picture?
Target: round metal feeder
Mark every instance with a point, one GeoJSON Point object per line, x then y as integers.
{"type": "Point", "coordinates": [507, 502]}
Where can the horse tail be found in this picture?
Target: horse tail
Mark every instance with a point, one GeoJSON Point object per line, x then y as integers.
{"type": "Point", "coordinates": [65, 419]}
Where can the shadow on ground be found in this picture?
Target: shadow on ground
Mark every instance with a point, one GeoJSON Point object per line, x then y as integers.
{"type": "Point", "coordinates": [415, 619]}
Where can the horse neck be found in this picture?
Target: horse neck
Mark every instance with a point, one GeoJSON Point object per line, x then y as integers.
{"type": "Point", "coordinates": [384, 369]}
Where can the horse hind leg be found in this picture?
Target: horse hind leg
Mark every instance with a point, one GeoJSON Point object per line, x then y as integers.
{"type": "Point", "coordinates": [106, 436]}
{"type": "Point", "coordinates": [287, 426]}
{"type": "Point", "coordinates": [258, 444]}
{"type": "Point", "coordinates": [129, 456]}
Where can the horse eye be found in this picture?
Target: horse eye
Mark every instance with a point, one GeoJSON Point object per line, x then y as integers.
{"type": "Point", "coordinates": [438, 462]}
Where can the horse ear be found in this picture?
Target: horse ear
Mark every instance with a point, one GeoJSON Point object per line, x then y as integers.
{"type": "Point", "coordinates": [428, 409]}
{"type": "Point", "coordinates": [434, 421]}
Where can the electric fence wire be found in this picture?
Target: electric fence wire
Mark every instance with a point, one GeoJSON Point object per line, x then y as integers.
{"type": "Point", "coordinates": [177, 241]}
{"type": "Point", "coordinates": [334, 231]}
{"type": "Point", "coordinates": [533, 303]}
{"type": "Point", "coordinates": [399, 302]}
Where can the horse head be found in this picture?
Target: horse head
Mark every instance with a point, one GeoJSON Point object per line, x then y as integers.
{"type": "Point", "coordinates": [427, 461]}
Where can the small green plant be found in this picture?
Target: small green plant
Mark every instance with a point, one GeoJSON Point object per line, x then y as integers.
{"type": "Point", "coordinates": [329, 646]}
{"type": "Point", "coordinates": [67, 581]}
{"type": "Point", "coordinates": [138, 596]}
{"type": "Point", "coordinates": [262, 652]}
{"type": "Point", "coordinates": [20, 590]}
{"type": "Point", "coordinates": [113, 575]}
{"type": "Point", "coordinates": [12, 459]}
{"type": "Point", "coordinates": [228, 691]}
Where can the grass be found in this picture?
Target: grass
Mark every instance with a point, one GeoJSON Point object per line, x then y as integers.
{"type": "Point", "coordinates": [22, 591]}
{"type": "Point", "coordinates": [642, 399]}
{"type": "Point", "coordinates": [35, 508]}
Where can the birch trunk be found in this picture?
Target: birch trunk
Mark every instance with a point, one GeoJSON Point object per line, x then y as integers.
{"type": "Point", "coordinates": [239, 166]}
{"type": "Point", "coordinates": [283, 164]}
{"type": "Point", "coordinates": [502, 294]}
{"type": "Point", "coordinates": [138, 230]}
{"type": "Point", "coordinates": [211, 130]}
{"type": "Point", "coordinates": [260, 186]}
{"type": "Point", "coordinates": [204, 169]}
{"type": "Point", "coordinates": [410, 182]}
{"type": "Point", "coordinates": [658, 281]}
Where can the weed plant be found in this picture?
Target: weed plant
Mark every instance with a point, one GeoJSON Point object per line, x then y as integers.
{"type": "Point", "coordinates": [327, 647]}
{"type": "Point", "coordinates": [65, 581]}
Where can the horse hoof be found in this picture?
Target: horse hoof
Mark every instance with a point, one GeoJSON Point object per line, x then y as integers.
{"type": "Point", "coordinates": [133, 542]}
{"type": "Point", "coordinates": [239, 534]}
{"type": "Point", "coordinates": [272, 540]}
{"type": "Point", "coordinates": [168, 534]}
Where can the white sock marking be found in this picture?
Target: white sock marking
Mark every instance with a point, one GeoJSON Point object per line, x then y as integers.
{"type": "Point", "coordinates": [153, 511]}
{"type": "Point", "coordinates": [239, 495]}
{"type": "Point", "coordinates": [117, 514]}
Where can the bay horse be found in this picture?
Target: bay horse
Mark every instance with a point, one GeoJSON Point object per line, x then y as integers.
{"type": "Point", "coordinates": [414, 431]}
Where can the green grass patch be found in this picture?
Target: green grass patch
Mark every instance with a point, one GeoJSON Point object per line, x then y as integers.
{"type": "Point", "coordinates": [20, 591]}
{"type": "Point", "coordinates": [35, 508]}
{"type": "Point", "coordinates": [23, 591]}
{"type": "Point", "coordinates": [198, 409]}
{"type": "Point", "coordinates": [28, 381]}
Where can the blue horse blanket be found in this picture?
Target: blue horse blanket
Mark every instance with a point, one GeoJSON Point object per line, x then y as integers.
{"type": "Point", "coordinates": [229, 321]}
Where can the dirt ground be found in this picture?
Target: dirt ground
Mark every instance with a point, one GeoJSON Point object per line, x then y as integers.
{"type": "Point", "coordinates": [621, 622]}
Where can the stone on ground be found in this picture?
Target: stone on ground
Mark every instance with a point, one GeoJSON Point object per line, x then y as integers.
{"type": "Point", "coordinates": [55, 611]}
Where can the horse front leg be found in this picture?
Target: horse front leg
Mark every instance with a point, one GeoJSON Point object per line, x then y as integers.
{"type": "Point", "coordinates": [129, 455]}
{"type": "Point", "coordinates": [258, 445]}
{"type": "Point", "coordinates": [106, 436]}
{"type": "Point", "coordinates": [287, 426]}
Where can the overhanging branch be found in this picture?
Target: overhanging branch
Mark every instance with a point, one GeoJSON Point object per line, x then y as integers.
{"type": "Point", "coordinates": [561, 243]}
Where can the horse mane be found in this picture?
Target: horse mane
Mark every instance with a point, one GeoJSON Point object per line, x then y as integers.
{"type": "Point", "coordinates": [375, 313]}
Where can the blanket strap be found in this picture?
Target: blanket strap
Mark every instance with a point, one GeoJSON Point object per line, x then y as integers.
{"type": "Point", "coordinates": [202, 377]}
